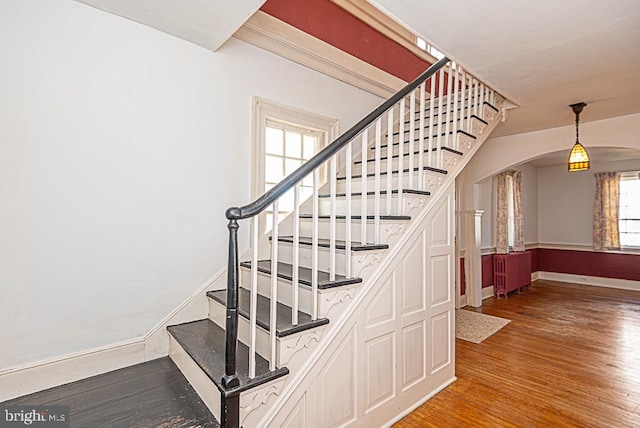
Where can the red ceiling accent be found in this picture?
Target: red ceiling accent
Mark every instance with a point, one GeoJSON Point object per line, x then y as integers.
{"type": "Point", "coordinates": [330, 23]}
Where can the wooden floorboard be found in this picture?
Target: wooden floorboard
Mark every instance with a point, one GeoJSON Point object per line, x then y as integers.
{"type": "Point", "coordinates": [569, 358]}
{"type": "Point", "coordinates": [153, 394]}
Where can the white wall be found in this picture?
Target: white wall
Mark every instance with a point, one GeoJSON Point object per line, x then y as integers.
{"type": "Point", "coordinates": [566, 202]}
{"type": "Point", "coordinates": [121, 147]}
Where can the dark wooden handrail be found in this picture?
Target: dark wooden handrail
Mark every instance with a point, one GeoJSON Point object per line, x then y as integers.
{"type": "Point", "coordinates": [260, 204]}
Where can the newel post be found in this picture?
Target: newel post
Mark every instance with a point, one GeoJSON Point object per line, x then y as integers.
{"type": "Point", "coordinates": [230, 403]}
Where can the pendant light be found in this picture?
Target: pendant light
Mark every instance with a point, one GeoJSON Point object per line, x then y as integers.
{"type": "Point", "coordinates": [578, 158]}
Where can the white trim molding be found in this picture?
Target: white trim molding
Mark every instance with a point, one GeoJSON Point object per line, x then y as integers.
{"type": "Point", "coordinates": [271, 34]}
{"type": "Point", "coordinates": [623, 284]}
{"type": "Point", "coordinates": [30, 378]}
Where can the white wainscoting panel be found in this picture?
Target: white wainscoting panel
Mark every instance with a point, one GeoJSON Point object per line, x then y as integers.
{"type": "Point", "coordinates": [393, 347]}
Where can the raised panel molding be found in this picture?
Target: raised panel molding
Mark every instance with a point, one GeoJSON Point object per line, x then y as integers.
{"type": "Point", "coordinates": [441, 333]}
{"type": "Point", "coordinates": [413, 290]}
{"type": "Point", "coordinates": [413, 354]}
{"type": "Point", "coordinates": [440, 279]}
{"type": "Point", "coordinates": [337, 385]}
{"type": "Point", "coordinates": [440, 227]}
{"type": "Point", "coordinates": [380, 365]}
{"type": "Point", "coordinates": [383, 307]}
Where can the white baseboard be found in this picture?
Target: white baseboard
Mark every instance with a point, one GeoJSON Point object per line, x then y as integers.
{"type": "Point", "coordinates": [420, 402]}
{"type": "Point", "coordinates": [623, 284]}
{"type": "Point", "coordinates": [19, 381]}
{"type": "Point", "coordinates": [30, 378]}
{"type": "Point", "coordinates": [487, 292]}
{"type": "Point", "coordinates": [462, 301]}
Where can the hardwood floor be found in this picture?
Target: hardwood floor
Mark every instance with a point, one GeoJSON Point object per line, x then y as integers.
{"type": "Point", "coordinates": [148, 395]}
{"type": "Point", "coordinates": [569, 358]}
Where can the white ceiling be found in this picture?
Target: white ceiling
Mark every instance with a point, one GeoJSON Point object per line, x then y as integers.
{"type": "Point", "coordinates": [208, 23]}
{"type": "Point", "coordinates": [543, 54]}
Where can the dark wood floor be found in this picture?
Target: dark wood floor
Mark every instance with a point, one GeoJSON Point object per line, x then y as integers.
{"type": "Point", "coordinates": [150, 395]}
{"type": "Point", "coordinates": [569, 358]}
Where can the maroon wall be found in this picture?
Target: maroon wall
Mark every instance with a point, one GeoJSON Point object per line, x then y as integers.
{"type": "Point", "coordinates": [591, 263]}
{"type": "Point", "coordinates": [330, 23]}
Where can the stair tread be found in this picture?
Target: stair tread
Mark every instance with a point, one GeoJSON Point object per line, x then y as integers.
{"type": "Point", "coordinates": [340, 244]}
{"type": "Point", "coordinates": [382, 192]}
{"type": "Point", "coordinates": [426, 168]}
{"type": "Point", "coordinates": [285, 271]}
{"type": "Point", "coordinates": [417, 152]}
{"type": "Point", "coordinates": [359, 217]}
{"type": "Point", "coordinates": [204, 341]}
{"type": "Point", "coordinates": [263, 311]}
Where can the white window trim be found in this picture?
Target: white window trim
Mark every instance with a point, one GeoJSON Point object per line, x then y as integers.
{"type": "Point", "coordinates": [629, 175]}
{"type": "Point", "coordinates": [264, 109]}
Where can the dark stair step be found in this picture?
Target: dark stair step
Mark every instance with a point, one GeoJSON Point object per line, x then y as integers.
{"type": "Point", "coordinates": [426, 168]}
{"type": "Point", "coordinates": [382, 192]}
{"type": "Point", "coordinates": [426, 120]}
{"type": "Point", "coordinates": [417, 152]}
{"type": "Point", "coordinates": [263, 311]}
{"type": "Point", "coordinates": [204, 341]}
{"type": "Point", "coordinates": [340, 244]}
{"type": "Point", "coordinates": [285, 271]}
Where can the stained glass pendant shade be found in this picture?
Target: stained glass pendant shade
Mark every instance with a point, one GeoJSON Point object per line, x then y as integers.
{"type": "Point", "coordinates": [578, 158]}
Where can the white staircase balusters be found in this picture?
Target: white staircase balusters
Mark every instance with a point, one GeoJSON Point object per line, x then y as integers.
{"type": "Point", "coordinates": [423, 91]}
{"type": "Point", "coordinates": [389, 178]}
{"type": "Point", "coordinates": [363, 188]}
{"type": "Point", "coordinates": [376, 207]}
{"type": "Point", "coordinates": [333, 176]}
{"type": "Point", "coordinates": [254, 296]}
{"type": "Point", "coordinates": [441, 117]}
{"type": "Point", "coordinates": [274, 284]}
{"type": "Point", "coordinates": [432, 98]}
{"type": "Point", "coordinates": [401, 121]}
{"type": "Point", "coordinates": [456, 89]}
{"type": "Point", "coordinates": [296, 255]}
{"type": "Point", "coordinates": [314, 245]}
{"type": "Point", "coordinates": [412, 134]}
{"type": "Point", "coordinates": [347, 220]}
{"type": "Point", "coordinates": [448, 140]}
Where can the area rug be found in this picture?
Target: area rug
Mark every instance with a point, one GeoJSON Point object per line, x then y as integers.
{"type": "Point", "coordinates": [476, 327]}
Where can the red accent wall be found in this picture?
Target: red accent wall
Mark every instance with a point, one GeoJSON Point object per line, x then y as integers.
{"type": "Point", "coordinates": [591, 263]}
{"type": "Point", "coordinates": [328, 22]}
{"type": "Point", "coordinates": [487, 270]}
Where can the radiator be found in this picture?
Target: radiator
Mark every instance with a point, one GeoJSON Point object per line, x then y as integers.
{"type": "Point", "coordinates": [511, 272]}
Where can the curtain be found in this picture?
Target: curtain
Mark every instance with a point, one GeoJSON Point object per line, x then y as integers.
{"type": "Point", "coordinates": [518, 230]}
{"type": "Point", "coordinates": [606, 234]}
{"type": "Point", "coordinates": [509, 217]}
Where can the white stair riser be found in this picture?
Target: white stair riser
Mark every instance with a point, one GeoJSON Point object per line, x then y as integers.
{"type": "Point", "coordinates": [201, 383]}
{"type": "Point", "coordinates": [284, 288]}
{"type": "Point", "coordinates": [408, 202]}
{"type": "Point", "coordinates": [431, 180]}
{"type": "Point", "coordinates": [217, 314]}
{"type": "Point", "coordinates": [447, 157]}
{"type": "Point", "coordinates": [358, 258]}
{"type": "Point", "coordinates": [461, 142]}
{"type": "Point", "coordinates": [485, 112]}
{"type": "Point", "coordinates": [324, 227]}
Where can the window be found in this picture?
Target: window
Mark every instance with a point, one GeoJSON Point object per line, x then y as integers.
{"type": "Point", "coordinates": [629, 211]}
{"type": "Point", "coordinates": [283, 139]}
{"type": "Point", "coordinates": [287, 147]}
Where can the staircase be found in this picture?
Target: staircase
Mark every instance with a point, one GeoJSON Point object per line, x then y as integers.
{"type": "Point", "coordinates": [344, 313]}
